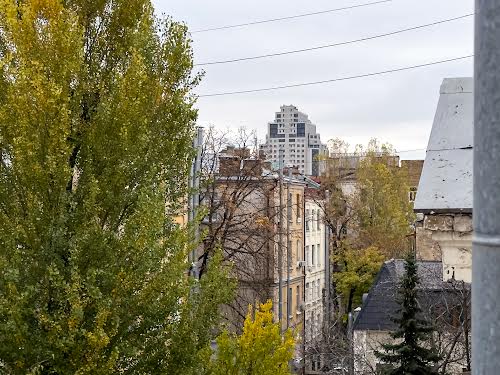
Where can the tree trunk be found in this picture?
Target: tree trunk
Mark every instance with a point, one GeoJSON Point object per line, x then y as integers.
{"type": "Point", "coordinates": [350, 301]}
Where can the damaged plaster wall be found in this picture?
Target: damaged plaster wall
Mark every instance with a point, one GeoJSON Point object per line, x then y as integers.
{"type": "Point", "coordinates": [447, 238]}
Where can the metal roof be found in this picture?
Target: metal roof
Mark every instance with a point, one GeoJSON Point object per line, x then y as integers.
{"type": "Point", "coordinates": [446, 181]}
{"type": "Point", "coordinates": [381, 306]}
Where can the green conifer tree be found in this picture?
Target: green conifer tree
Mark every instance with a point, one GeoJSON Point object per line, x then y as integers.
{"type": "Point", "coordinates": [409, 356]}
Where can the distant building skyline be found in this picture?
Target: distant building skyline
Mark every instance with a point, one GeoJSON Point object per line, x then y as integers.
{"type": "Point", "coordinates": [292, 140]}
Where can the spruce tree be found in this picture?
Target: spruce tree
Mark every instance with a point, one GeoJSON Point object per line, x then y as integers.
{"type": "Point", "coordinates": [409, 356]}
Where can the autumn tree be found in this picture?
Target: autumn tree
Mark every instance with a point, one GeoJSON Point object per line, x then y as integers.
{"type": "Point", "coordinates": [96, 123]}
{"type": "Point", "coordinates": [261, 349]}
{"type": "Point", "coordinates": [359, 266]}
{"type": "Point", "coordinates": [384, 213]}
{"type": "Point", "coordinates": [238, 192]}
{"type": "Point", "coordinates": [368, 213]}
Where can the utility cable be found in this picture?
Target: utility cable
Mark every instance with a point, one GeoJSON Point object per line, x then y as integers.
{"type": "Point", "coordinates": [404, 151]}
{"type": "Point", "coordinates": [290, 17]}
{"type": "Point", "coordinates": [335, 44]}
{"type": "Point", "coordinates": [334, 79]}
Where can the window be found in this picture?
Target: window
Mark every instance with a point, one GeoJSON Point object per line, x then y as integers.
{"type": "Point", "coordinates": [307, 220]}
{"type": "Point", "coordinates": [273, 130]}
{"type": "Point", "coordinates": [301, 129]}
{"type": "Point", "coordinates": [312, 333]}
{"type": "Point", "coordinates": [318, 259]}
{"type": "Point", "coordinates": [307, 256]}
{"type": "Point", "coordinates": [318, 225]}
{"type": "Point", "coordinates": [297, 298]}
{"type": "Point", "coordinates": [290, 302]}
{"type": "Point", "coordinates": [298, 257]}
{"type": "Point", "coordinates": [412, 194]}
{"type": "Point", "coordinates": [313, 252]}
{"type": "Point", "coordinates": [298, 207]}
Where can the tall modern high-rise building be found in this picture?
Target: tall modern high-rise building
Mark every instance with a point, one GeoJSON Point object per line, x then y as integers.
{"type": "Point", "coordinates": [292, 140]}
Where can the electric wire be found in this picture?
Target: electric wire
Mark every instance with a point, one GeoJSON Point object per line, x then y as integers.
{"type": "Point", "coordinates": [353, 41]}
{"type": "Point", "coordinates": [414, 150]}
{"type": "Point", "coordinates": [290, 17]}
{"type": "Point", "coordinates": [347, 78]}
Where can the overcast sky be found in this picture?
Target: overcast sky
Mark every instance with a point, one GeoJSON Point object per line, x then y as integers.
{"type": "Point", "coordinates": [397, 108]}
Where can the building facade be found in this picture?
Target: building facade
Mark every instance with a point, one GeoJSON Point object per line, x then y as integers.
{"type": "Point", "coordinates": [256, 217]}
{"type": "Point", "coordinates": [444, 200]}
{"type": "Point", "coordinates": [270, 226]}
{"type": "Point", "coordinates": [316, 268]}
{"type": "Point", "coordinates": [292, 140]}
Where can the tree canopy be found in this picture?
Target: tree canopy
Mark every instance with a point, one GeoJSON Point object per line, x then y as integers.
{"type": "Point", "coordinates": [383, 211]}
{"type": "Point", "coordinates": [260, 350]}
{"type": "Point", "coordinates": [96, 126]}
{"type": "Point", "coordinates": [368, 212]}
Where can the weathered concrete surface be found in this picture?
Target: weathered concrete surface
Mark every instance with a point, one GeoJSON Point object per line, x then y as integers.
{"type": "Point", "coordinates": [438, 222]}
{"type": "Point", "coordinates": [447, 238]}
{"type": "Point", "coordinates": [462, 223]}
{"type": "Point", "coordinates": [427, 248]}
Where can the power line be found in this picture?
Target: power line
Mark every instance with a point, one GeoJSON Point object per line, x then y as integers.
{"type": "Point", "coordinates": [334, 79]}
{"type": "Point", "coordinates": [334, 44]}
{"type": "Point", "coordinates": [396, 152]}
{"type": "Point", "coordinates": [416, 149]}
{"type": "Point", "coordinates": [290, 17]}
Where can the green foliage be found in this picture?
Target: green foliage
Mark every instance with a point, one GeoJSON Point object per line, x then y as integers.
{"type": "Point", "coordinates": [96, 123]}
{"type": "Point", "coordinates": [359, 267]}
{"type": "Point", "coordinates": [371, 222]}
{"type": "Point", "coordinates": [259, 350]}
{"type": "Point", "coordinates": [383, 210]}
{"type": "Point", "coordinates": [409, 356]}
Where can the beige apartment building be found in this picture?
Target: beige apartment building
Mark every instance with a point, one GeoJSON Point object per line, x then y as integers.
{"type": "Point", "coordinates": [256, 218]}
{"type": "Point", "coordinates": [292, 249]}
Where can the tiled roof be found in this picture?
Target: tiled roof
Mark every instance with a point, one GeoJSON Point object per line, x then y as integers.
{"type": "Point", "coordinates": [380, 305]}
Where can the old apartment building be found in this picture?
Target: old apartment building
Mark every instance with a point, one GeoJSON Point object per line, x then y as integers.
{"type": "Point", "coordinates": [257, 219]}
{"type": "Point", "coordinates": [316, 268]}
{"type": "Point", "coordinates": [274, 235]}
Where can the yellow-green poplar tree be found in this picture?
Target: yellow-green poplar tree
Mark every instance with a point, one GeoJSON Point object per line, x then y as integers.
{"type": "Point", "coordinates": [371, 223]}
{"type": "Point", "coordinates": [384, 213]}
{"type": "Point", "coordinates": [261, 349]}
{"type": "Point", "coordinates": [96, 122]}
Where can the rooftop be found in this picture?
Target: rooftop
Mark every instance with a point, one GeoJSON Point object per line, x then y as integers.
{"type": "Point", "coordinates": [380, 305]}
{"type": "Point", "coordinates": [446, 181]}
